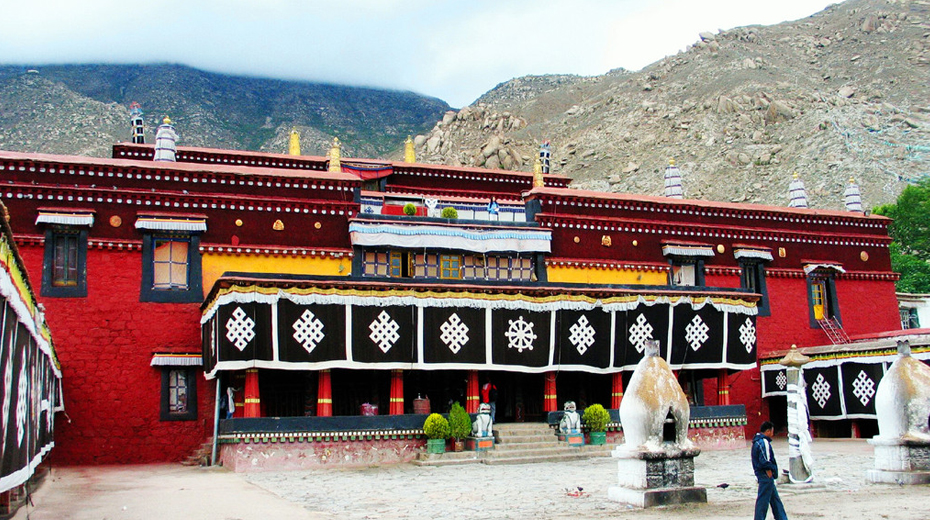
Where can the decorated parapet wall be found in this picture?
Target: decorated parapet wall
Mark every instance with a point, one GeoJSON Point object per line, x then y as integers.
{"type": "Point", "coordinates": [29, 373]}
{"type": "Point", "coordinates": [314, 327]}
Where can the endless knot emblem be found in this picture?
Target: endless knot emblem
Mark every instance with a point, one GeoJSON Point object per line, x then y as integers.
{"type": "Point", "coordinates": [820, 390]}
{"type": "Point", "coordinates": [521, 335]}
{"type": "Point", "coordinates": [863, 388]}
{"type": "Point", "coordinates": [308, 331]}
{"type": "Point", "coordinates": [696, 333]}
{"type": "Point", "coordinates": [240, 329]}
{"type": "Point", "coordinates": [21, 405]}
{"type": "Point", "coordinates": [384, 331]}
{"type": "Point", "coordinates": [582, 335]}
{"type": "Point", "coordinates": [747, 335]}
{"type": "Point", "coordinates": [454, 333]}
{"type": "Point", "coordinates": [640, 332]}
{"type": "Point", "coordinates": [781, 380]}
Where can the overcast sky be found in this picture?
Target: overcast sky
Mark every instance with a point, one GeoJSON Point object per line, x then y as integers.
{"type": "Point", "coordinates": [453, 50]}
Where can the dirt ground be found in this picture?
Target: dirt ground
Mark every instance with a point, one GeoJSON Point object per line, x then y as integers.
{"type": "Point", "coordinates": [473, 491]}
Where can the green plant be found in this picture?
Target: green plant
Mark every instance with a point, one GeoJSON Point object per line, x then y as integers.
{"type": "Point", "coordinates": [436, 427]}
{"type": "Point", "coordinates": [410, 209]}
{"type": "Point", "coordinates": [595, 417]}
{"type": "Point", "coordinates": [459, 422]}
{"type": "Point", "coordinates": [450, 212]}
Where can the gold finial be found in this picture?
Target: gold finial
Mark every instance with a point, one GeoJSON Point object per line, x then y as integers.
{"type": "Point", "coordinates": [335, 156]}
{"type": "Point", "coordinates": [852, 180]}
{"type": "Point", "coordinates": [166, 120]}
{"type": "Point", "coordinates": [538, 181]}
{"type": "Point", "coordinates": [795, 175]}
{"type": "Point", "coordinates": [671, 162]}
{"type": "Point", "coordinates": [410, 153]}
{"type": "Point", "coordinates": [293, 147]}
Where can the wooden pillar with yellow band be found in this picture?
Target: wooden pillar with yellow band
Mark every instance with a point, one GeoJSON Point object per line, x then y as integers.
{"type": "Point", "coordinates": [324, 395]}
{"type": "Point", "coordinates": [471, 392]}
{"type": "Point", "coordinates": [723, 389]}
{"type": "Point", "coordinates": [550, 398]}
{"type": "Point", "coordinates": [253, 402]}
{"type": "Point", "coordinates": [397, 392]}
{"type": "Point", "coordinates": [616, 393]}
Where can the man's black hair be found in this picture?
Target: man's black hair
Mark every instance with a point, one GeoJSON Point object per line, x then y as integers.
{"type": "Point", "coordinates": [767, 425]}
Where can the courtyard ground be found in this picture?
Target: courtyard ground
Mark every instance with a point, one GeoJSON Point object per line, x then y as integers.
{"type": "Point", "coordinates": [536, 491]}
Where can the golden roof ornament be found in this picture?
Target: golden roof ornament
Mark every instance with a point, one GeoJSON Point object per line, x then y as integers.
{"type": "Point", "coordinates": [538, 181]}
{"type": "Point", "coordinates": [794, 358]}
{"type": "Point", "coordinates": [410, 153]}
{"type": "Point", "coordinates": [293, 146]}
{"type": "Point", "coordinates": [335, 156]}
{"type": "Point", "coordinates": [166, 120]}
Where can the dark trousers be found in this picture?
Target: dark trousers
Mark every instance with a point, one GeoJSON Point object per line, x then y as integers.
{"type": "Point", "coordinates": [768, 495]}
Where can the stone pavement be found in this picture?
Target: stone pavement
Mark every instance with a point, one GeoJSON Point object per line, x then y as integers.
{"type": "Point", "coordinates": [534, 491]}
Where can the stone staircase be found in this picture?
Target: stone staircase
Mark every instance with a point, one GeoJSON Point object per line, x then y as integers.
{"type": "Point", "coordinates": [200, 456]}
{"type": "Point", "coordinates": [520, 443]}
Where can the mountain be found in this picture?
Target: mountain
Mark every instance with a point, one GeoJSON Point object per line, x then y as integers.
{"type": "Point", "coordinates": [84, 109]}
{"type": "Point", "coordinates": [842, 94]}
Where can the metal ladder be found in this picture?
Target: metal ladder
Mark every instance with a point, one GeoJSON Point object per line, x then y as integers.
{"type": "Point", "coordinates": [834, 331]}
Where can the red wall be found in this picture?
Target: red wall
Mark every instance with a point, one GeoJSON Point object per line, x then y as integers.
{"type": "Point", "coordinates": [105, 344]}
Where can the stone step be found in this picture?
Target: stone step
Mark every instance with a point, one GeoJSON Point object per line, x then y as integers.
{"type": "Point", "coordinates": [516, 439]}
{"type": "Point", "coordinates": [449, 458]}
{"type": "Point", "coordinates": [529, 446]}
{"type": "Point", "coordinates": [513, 427]}
{"type": "Point", "coordinates": [540, 451]}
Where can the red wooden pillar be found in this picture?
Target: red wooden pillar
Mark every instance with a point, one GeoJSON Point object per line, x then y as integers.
{"type": "Point", "coordinates": [324, 395]}
{"type": "Point", "coordinates": [616, 395]}
{"type": "Point", "coordinates": [397, 393]}
{"type": "Point", "coordinates": [550, 397]}
{"type": "Point", "coordinates": [471, 392]}
{"type": "Point", "coordinates": [723, 389]}
{"type": "Point", "coordinates": [253, 401]}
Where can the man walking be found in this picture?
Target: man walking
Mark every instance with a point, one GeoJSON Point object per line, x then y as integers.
{"type": "Point", "coordinates": [766, 469]}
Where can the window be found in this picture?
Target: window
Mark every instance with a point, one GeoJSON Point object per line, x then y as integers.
{"type": "Point", "coordinates": [752, 278]}
{"type": "Point", "coordinates": [65, 272]}
{"type": "Point", "coordinates": [909, 318]}
{"type": "Point", "coordinates": [178, 394]}
{"type": "Point", "coordinates": [684, 273]}
{"type": "Point", "coordinates": [171, 270]}
{"type": "Point", "coordinates": [821, 296]}
{"type": "Point", "coordinates": [686, 262]}
{"type": "Point", "coordinates": [450, 267]}
{"type": "Point", "coordinates": [400, 264]}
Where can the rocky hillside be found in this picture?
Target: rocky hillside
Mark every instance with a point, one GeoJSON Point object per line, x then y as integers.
{"type": "Point", "coordinates": [843, 93]}
{"type": "Point", "coordinates": [71, 109]}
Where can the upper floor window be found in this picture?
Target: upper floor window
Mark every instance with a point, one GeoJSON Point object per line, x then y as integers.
{"type": "Point", "coordinates": [686, 262]}
{"type": "Point", "coordinates": [171, 269]}
{"type": "Point", "coordinates": [64, 272]}
{"type": "Point", "coordinates": [752, 272]}
{"type": "Point", "coordinates": [450, 267]}
{"type": "Point", "coordinates": [821, 293]}
{"type": "Point", "coordinates": [909, 318]}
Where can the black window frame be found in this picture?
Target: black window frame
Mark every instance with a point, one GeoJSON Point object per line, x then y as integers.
{"type": "Point", "coordinates": [753, 270]}
{"type": "Point", "coordinates": [194, 291]}
{"type": "Point", "coordinates": [79, 289]}
{"type": "Point", "coordinates": [680, 261]}
{"type": "Point", "coordinates": [191, 380]}
{"type": "Point", "coordinates": [831, 303]}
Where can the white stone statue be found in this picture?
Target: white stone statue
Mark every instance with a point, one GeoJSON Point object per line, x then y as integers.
{"type": "Point", "coordinates": [483, 425]}
{"type": "Point", "coordinates": [431, 207]}
{"type": "Point", "coordinates": [902, 402]}
{"type": "Point", "coordinates": [571, 421]}
{"type": "Point", "coordinates": [653, 396]}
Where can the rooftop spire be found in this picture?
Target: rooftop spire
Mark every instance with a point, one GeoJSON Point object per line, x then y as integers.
{"type": "Point", "coordinates": [852, 196]}
{"type": "Point", "coordinates": [335, 156]}
{"type": "Point", "coordinates": [293, 146]}
{"type": "Point", "coordinates": [410, 153]}
{"type": "Point", "coordinates": [796, 193]}
{"type": "Point", "coordinates": [673, 187]}
{"type": "Point", "coordinates": [136, 123]}
{"type": "Point", "coordinates": [545, 153]}
{"type": "Point", "coordinates": [165, 141]}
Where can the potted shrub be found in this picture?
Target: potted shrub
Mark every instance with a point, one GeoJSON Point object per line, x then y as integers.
{"type": "Point", "coordinates": [436, 429]}
{"type": "Point", "coordinates": [450, 213]}
{"type": "Point", "coordinates": [459, 426]}
{"type": "Point", "coordinates": [595, 417]}
{"type": "Point", "coordinates": [410, 209]}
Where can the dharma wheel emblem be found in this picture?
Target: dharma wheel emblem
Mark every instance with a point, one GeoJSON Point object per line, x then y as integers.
{"type": "Point", "coordinates": [520, 335]}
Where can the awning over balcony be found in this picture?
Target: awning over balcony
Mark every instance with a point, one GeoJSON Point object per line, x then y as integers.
{"type": "Point", "coordinates": [253, 323]}
{"type": "Point", "coordinates": [841, 380]}
{"type": "Point", "coordinates": [437, 236]}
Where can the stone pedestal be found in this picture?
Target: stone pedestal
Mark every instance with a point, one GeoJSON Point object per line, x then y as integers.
{"type": "Point", "coordinates": [649, 479]}
{"type": "Point", "coordinates": [900, 461]}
